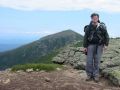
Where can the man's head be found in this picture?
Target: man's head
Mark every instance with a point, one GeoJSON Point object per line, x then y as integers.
{"type": "Point", "coordinates": [95, 17]}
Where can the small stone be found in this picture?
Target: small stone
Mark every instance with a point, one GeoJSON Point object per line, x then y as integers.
{"type": "Point", "coordinates": [47, 79]}
{"type": "Point", "coordinates": [19, 71]}
{"type": "Point", "coordinates": [58, 69]}
{"type": "Point", "coordinates": [42, 71]}
{"type": "Point", "coordinates": [81, 71]}
{"type": "Point", "coordinates": [6, 81]}
{"type": "Point", "coordinates": [29, 70]}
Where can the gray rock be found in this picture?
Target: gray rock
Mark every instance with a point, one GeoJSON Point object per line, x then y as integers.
{"type": "Point", "coordinates": [80, 65]}
{"type": "Point", "coordinates": [58, 60]}
{"type": "Point", "coordinates": [6, 81]}
{"type": "Point", "coordinates": [47, 79]}
{"type": "Point", "coordinates": [30, 70]}
{"type": "Point", "coordinates": [113, 74]}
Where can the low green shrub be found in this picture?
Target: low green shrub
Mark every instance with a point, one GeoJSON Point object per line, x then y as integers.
{"type": "Point", "coordinates": [36, 67]}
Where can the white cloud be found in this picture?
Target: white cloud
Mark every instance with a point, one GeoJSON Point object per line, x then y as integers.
{"type": "Point", "coordinates": [63, 5]}
{"type": "Point", "coordinates": [13, 32]}
{"type": "Point", "coordinates": [43, 33]}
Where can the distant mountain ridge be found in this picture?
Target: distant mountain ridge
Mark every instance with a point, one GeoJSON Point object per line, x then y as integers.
{"type": "Point", "coordinates": [6, 47]}
{"type": "Point", "coordinates": [28, 53]}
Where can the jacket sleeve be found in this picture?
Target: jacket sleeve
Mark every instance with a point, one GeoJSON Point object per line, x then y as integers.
{"type": "Point", "coordinates": [85, 39]}
{"type": "Point", "coordinates": [106, 35]}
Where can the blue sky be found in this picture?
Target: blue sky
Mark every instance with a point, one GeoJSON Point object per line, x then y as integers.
{"type": "Point", "coordinates": [22, 21]}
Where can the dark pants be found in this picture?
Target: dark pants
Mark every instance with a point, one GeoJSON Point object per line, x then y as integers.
{"type": "Point", "coordinates": [94, 53]}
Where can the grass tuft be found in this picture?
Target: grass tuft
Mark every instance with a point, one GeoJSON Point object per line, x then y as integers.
{"type": "Point", "coordinates": [36, 67]}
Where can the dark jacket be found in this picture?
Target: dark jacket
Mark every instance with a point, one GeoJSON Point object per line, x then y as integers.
{"type": "Point", "coordinates": [101, 31]}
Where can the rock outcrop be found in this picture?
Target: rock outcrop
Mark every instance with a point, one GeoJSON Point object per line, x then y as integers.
{"type": "Point", "coordinates": [110, 63]}
{"type": "Point", "coordinates": [71, 55]}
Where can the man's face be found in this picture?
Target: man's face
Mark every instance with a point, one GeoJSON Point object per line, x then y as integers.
{"type": "Point", "coordinates": [95, 19]}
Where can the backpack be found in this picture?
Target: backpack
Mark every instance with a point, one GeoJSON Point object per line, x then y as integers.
{"type": "Point", "coordinates": [99, 33]}
{"type": "Point", "coordinates": [102, 25]}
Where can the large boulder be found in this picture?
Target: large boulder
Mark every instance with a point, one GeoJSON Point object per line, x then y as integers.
{"type": "Point", "coordinates": [111, 57]}
{"type": "Point", "coordinates": [113, 74]}
{"type": "Point", "coordinates": [71, 55]}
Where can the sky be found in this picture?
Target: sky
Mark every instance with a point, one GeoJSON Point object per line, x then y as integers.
{"type": "Point", "coordinates": [23, 21]}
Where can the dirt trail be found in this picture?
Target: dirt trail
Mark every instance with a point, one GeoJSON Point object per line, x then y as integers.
{"type": "Point", "coordinates": [65, 79]}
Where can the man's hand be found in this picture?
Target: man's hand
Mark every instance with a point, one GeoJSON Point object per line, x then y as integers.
{"type": "Point", "coordinates": [85, 50]}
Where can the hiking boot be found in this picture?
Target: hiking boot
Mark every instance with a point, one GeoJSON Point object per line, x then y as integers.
{"type": "Point", "coordinates": [96, 79]}
{"type": "Point", "coordinates": [89, 78]}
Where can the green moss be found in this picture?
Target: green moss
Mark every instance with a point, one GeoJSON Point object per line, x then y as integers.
{"type": "Point", "coordinates": [36, 67]}
{"type": "Point", "coordinates": [78, 44]}
{"type": "Point", "coordinates": [115, 73]}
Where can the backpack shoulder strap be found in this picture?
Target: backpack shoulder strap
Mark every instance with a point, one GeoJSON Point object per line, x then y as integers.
{"type": "Point", "coordinates": [86, 28]}
{"type": "Point", "coordinates": [103, 26]}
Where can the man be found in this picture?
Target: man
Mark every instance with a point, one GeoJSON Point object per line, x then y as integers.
{"type": "Point", "coordinates": [96, 39]}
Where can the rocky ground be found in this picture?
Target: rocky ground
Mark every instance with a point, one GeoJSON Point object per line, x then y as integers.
{"type": "Point", "coordinates": [110, 63]}
{"type": "Point", "coordinates": [72, 76]}
{"type": "Point", "coordinates": [66, 78]}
